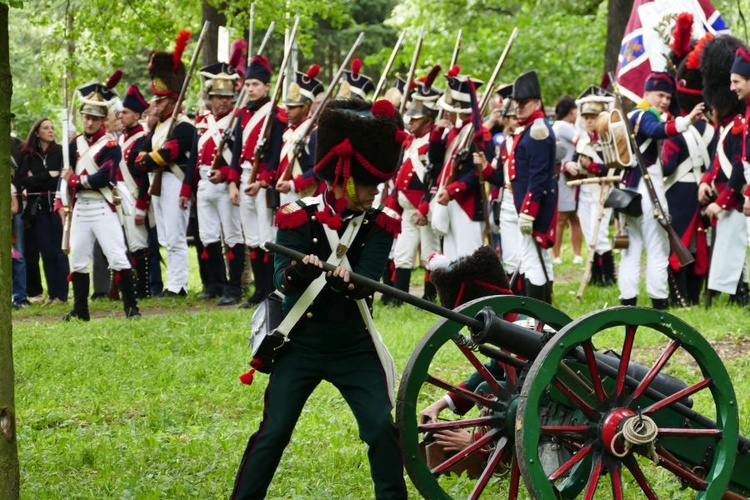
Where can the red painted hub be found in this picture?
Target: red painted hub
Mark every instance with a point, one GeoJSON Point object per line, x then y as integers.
{"type": "Point", "coordinates": [610, 426]}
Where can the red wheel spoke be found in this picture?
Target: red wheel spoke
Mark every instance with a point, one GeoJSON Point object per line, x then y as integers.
{"type": "Point", "coordinates": [654, 371]}
{"type": "Point", "coordinates": [635, 470]}
{"type": "Point", "coordinates": [471, 396]}
{"type": "Point", "coordinates": [510, 372]}
{"type": "Point", "coordinates": [571, 462]}
{"type": "Point", "coordinates": [616, 478]}
{"type": "Point", "coordinates": [588, 348]}
{"type": "Point", "coordinates": [596, 471]}
{"type": "Point", "coordinates": [473, 447]}
{"type": "Point", "coordinates": [515, 476]}
{"type": "Point", "coordinates": [455, 424]}
{"type": "Point", "coordinates": [483, 371]}
{"type": "Point", "coordinates": [687, 391]}
{"type": "Point", "coordinates": [627, 349]}
{"type": "Point", "coordinates": [586, 408]}
{"type": "Point", "coordinates": [497, 455]}
{"type": "Point", "coordinates": [690, 433]}
{"type": "Point", "coordinates": [578, 430]}
{"type": "Point", "coordinates": [675, 467]}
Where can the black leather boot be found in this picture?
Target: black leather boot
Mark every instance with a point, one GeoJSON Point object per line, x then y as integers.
{"type": "Point", "coordinates": [140, 262]}
{"type": "Point", "coordinates": [387, 279]}
{"type": "Point", "coordinates": [539, 292]}
{"type": "Point", "coordinates": [233, 287]}
{"type": "Point", "coordinates": [214, 274]}
{"type": "Point", "coordinates": [80, 282]}
{"type": "Point", "coordinates": [607, 269]}
{"type": "Point", "coordinates": [595, 277]}
{"type": "Point", "coordinates": [430, 292]}
{"type": "Point", "coordinates": [126, 282]}
{"type": "Point", "coordinates": [259, 278]}
{"type": "Point", "coordinates": [629, 302]}
{"type": "Point", "coordinates": [660, 304]}
{"type": "Point", "coordinates": [403, 276]}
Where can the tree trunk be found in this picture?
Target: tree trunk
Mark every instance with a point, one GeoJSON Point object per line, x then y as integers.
{"type": "Point", "coordinates": [211, 44]}
{"type": "Point", "coordinates": [617, 19]}
{"type": "Point", "coordinates": [9, 472]}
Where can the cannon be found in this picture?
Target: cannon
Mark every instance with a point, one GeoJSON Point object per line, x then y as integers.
{"type": "Point", "coordinates": [622, 401]}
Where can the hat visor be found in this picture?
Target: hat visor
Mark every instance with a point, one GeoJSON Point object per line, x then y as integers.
{"type": "Point", "coordinates": [98, 111]}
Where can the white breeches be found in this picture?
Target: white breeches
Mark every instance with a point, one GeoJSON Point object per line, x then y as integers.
{"type": "Point", "coordinates": [588, 212]}
{"type": "Point", "coordinates": [171, 226]}
{"type": "Point", "coordinates": [510, 236]}
{"type": "Point", "coordinates": [256, 217]}
{"type": "Point", "coordinates": [531, 264]}
{"type": "Point", "coordinates": [216, 214]}
{"type": "Point", "coordinates": [94, 220]}
{"type": "Point", "coordinates": [728, 257]}
{"type": "Point", "coordinates": [136, 236]}
{"type": "Point", "coordinates": [464, 235]}
{"type": "Point", "coordinates": [412, 237]}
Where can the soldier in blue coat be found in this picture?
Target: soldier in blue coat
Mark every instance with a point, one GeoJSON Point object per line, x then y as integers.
{"type": "Point", "coordinates": [531, 169]}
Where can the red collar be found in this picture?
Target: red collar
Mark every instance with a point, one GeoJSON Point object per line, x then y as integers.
{"type": "Point", "coordinates": [534, 116]}
{"type": "Point", "coordinates": [97, 135]}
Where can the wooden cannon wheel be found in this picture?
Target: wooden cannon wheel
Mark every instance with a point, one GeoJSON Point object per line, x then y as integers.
{"type": "Point", "coordinates": [443, 359]}
{"type": "Point", "coordinates": [631, 435]}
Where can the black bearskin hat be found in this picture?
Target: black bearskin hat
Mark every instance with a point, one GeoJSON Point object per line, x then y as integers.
{"type": "Point", "coordinates": [166, 69]}
{"type": "Point", "coordinates": [684, 62]}
{"type": "Point", "coordinates": [479, 275]}
{"type": "Point", "coordinates": [715, 66]}
{"type": "Point", "coordinates": [358, 140]}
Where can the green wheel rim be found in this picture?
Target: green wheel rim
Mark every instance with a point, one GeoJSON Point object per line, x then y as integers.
{"type": "Point", "coordinates": [417, 369]}
{"type": "Point", "coordinates": [579, 333]}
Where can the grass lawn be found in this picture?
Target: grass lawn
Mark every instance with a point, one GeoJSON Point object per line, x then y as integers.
{"type": "Point", "coordinates": [154, 409]}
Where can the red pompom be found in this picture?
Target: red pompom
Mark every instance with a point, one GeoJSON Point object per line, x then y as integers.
{"type": "Point", "coordinates": [356, 66]}
{"type": "Point", "coordinates": [681, 34]}
{"type": "Point", "coordinates": [183, 37]}
{"type": "Point", "coordinates": [114, 79]}
{"type": "Point", "coordinates": [247, 378]}
{"type": "Point", "coordinates": [383, 107]}
{"type": "Point", "coordinates": [454, 71]}
{"type": "Point", "coordinates": [694, 59]}
{"type": "Point", "coordinates": [313, 71]}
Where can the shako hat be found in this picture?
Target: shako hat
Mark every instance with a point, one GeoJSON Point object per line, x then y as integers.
{"type": "Point", "coordinates": [166, 69]}
{"type": "Point", "coordinates": [424, 98]}
{"type": "Point", "coordinates": [97, 97]}
{"type": "Point", "coordinates": [259, 69]}
{"type": "Point", "coordinates": [508, 107]}
{"type": "Point", "coordinates": [741, 64]}
{"type": "Point", "coordinates": [358, 140]}
{"type": "Point", "coordinates": [478, 275]}
{"type": "Point", "coordinates": [304, 88]}
{"type": "Point", "coordinates": [134, 100]}
{"type": "Point", "coordinates": [457, 96]}
{"type": "Point", "coordinates": [355, 84]}
{"type": "Point", "coordinates": [219, 79]}
{"type": "Point", "coordinates": [594, 100]}
{"type": "Point", "coordinates": [527, 86]}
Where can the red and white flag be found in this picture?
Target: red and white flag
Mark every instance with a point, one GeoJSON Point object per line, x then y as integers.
{"type": "Point", "coordinates": [645, 44]}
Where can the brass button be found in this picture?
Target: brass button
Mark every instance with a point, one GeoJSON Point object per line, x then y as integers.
{"type": "Point", "coordinates": [309, 315]}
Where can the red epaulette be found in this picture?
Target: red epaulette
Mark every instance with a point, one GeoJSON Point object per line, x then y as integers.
{"type": "Point", "coordinates": [112, 144]}
{"type": "Point", "coordinates": [388, 220]}
{"type": "Point", "coordinates": [292, 215]}
{"type": "Point", "coordinates": [281, 116]}
{"type": "Point", "coordinates": [738, 125]}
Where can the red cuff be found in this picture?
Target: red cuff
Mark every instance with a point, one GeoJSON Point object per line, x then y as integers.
{"type": "Point", "coordinates": [725, 197]}
{"type": "Point", "coordinates": [488, 171]}
{"type": "Point", "coordinates": [529, 206]}
{"type": "Point", "coordinates": [594, 168]}
{"type": "Point", "coordinates": [391, 203]}
{"type": "Point", "coordinates": [186, 191]}
{"type": "Point", "coordinates": [141, 203]}
{"type": "Point", "coordinates": [233, 176]}
{"type": "Point", "coordinates": [264, 175]}
{"type": "Point", "coordinates": [707, 177]}
{"type": "Point", "coordinates": [454, 188]}
{"type": "Point", "coordinates": [424, 208]}
{"type": "Point", "coordinates": [301, 183]}
{"type": "Point", "coordinates": [436, 135]}
{"type": "Point", "coordinates": [672, 128]}
{"type": "Point", "coordinates": [73, 181]}
{"type": "Point", "coordinates": [57, 205]}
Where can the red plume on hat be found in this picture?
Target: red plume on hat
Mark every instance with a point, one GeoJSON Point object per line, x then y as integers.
{"type": "Point", "coordinates": [356, 66]}
{"type": "Point", "coordinates": [430, 78]}
{"type": "Point", "coordinates": [454, 71]}
{"type": "Point", "coordinates": [238, 57]}
{"type": "Point", "coordinates": [183, 37]}
{"type": "Point", "coordinates": [681, 35]}
{"type": "Point", "coordinates": [114, 79]}
{"type": "Point", "coordinates": [313, 71]}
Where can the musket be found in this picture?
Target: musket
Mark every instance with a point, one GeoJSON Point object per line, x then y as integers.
{"type": "Point", "coordinates": [454, 60]}
{"type": "Point", "coordinates": [412, 69]}
{"type": "Point", "coordinates": [678, 247]}
{"type": "Point", "coordinates": [227, 134]}
{"type": "Point", "coordinates": [63, 184]}
{"type": "Point", "coordinates": [251, 29]}
{"type": "Point", "coordinates": [265, 130]}
{"type": "Point", "coordinates": [384, 76]}
{"type": "Point", "coordinates": [155, 189]}
{"type": "Point", "coordinates": [310, 124]}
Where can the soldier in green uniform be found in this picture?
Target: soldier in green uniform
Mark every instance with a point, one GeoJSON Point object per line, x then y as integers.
{"type": "Point", "coordinates": [335, 340]}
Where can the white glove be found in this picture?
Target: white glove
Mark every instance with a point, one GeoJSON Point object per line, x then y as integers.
{"type": "Point", "coordinates": [525, 223]}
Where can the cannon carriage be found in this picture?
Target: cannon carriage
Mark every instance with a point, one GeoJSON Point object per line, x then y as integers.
{"type": "Point", "coordinates": [622, 401]}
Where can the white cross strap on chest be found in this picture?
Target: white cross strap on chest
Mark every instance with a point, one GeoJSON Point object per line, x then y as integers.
{"type": "Point", "coordinates": [312, 291]}
{"type": "Point", "coordinates": [160, 137]}
{"type": "Point", "coordinates": [697, 145]}
{"type": "Point", "coordinates": [255, 121]}
{"type": "Point", "coordinates": [213, 130]}
{"type": "Point", "coordinates": [124, 170]}
{"type": "Point", "coordinates": [86, 162]}
{"type": "Point", "coordinates": [724, 162]}
{"type": "Point", "coordinates": [416, 159]}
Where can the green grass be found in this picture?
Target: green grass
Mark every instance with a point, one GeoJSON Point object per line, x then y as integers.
{"type": "Point", "coordinates": [154, 409]}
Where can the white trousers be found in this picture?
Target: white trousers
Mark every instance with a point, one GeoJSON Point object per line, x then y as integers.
{"type": "Point", "coordinates": [728, 257]}
{"type": "Point", "coordinates": [171, 226]}
{"type": "Point", "coordinates": [588, 208]}
{"type": "Point", "coordinates": [216, 214]}
{"type": "Point", "coordinates": [464, 235]}
{"type": "Point", "coordinates": [645, 232]}
{"type": "Point", "coordinates": [412, 237]}
{"type": "Point", "coordinates": [531, 264]}
{"type": "Point", "coordinates": [94, 220]}
{"type": "Point", "coordinates": [256, 217]}
{"type": "Point", "coordinates": [289, 197]}
{"type": "Point", "coordinates": [510, 236]}
{"type": "Point", "coordinates": [137, 236]}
